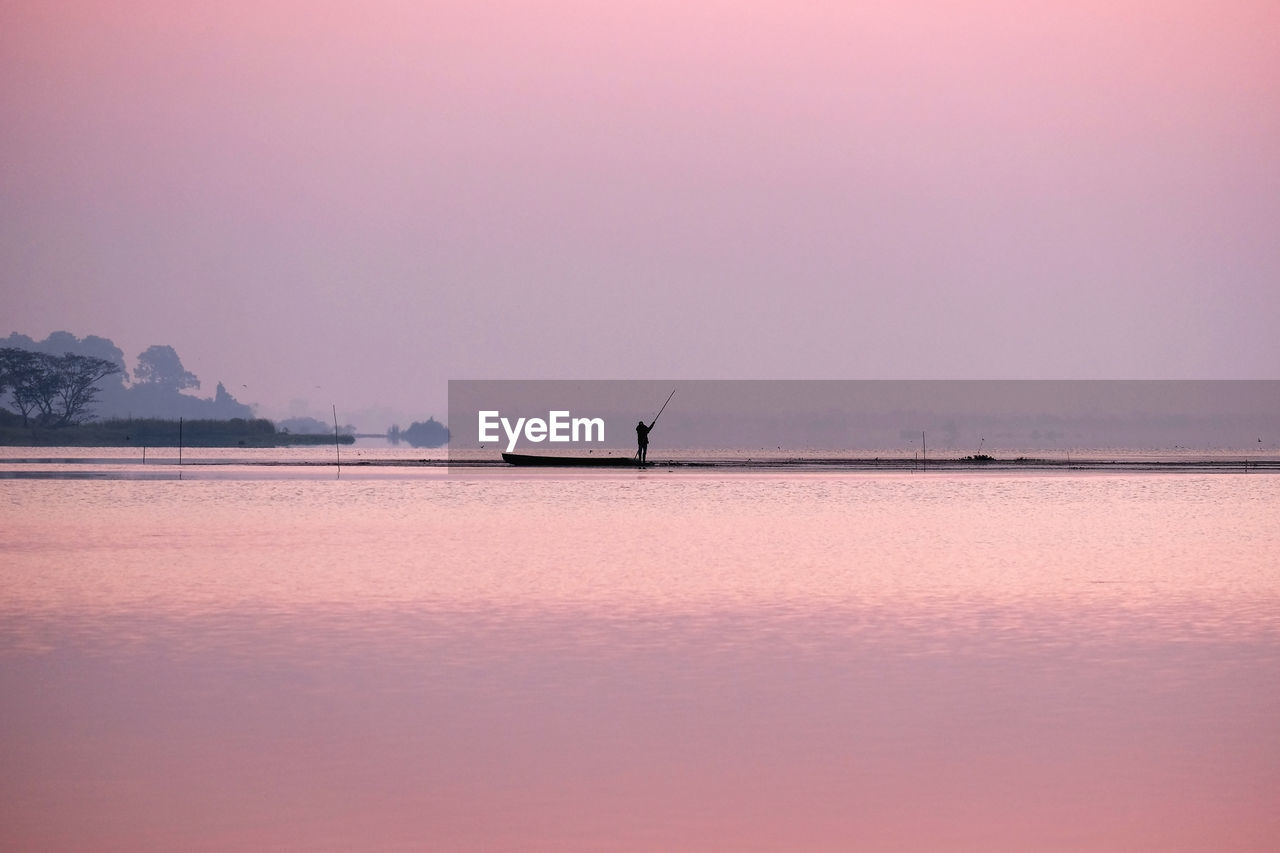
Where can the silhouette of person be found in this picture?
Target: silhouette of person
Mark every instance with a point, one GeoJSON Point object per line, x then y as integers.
{"type": "Point", "coordinates": [642, 440]}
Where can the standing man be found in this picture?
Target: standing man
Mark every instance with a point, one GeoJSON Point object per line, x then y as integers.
{"type": "Point", "coordinates": [642, 440]}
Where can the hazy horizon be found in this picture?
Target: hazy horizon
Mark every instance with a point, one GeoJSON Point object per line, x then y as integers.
{"type": "Point", "coordinates": [320, 205]}
{"type": "Point", "coordinates": [841, 415]}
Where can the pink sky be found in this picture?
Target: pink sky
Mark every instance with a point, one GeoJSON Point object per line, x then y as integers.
{"type": "Point", "coordinates": [348, 204]}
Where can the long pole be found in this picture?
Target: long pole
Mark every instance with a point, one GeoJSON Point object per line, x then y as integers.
{"type": "Point", "coordinates": [664, 407]}
{"type": "Point", "coordinates": [337, 452]}
{"type": "Point", "coordinates": [179, 441]}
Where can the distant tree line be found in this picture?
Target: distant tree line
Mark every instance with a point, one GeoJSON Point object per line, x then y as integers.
{"type": "Point", "coordinates": [430, 433]}
{"type": "Point", "coordinates": [65, 380]}
{"type": "Point", "coordinates": [162, 432]}
{"type": "Point", "coordinates": [54, 390]}
{"type": "Point", "coordinates": [303, 425]}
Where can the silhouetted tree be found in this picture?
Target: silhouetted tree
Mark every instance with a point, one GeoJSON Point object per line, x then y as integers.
{"type": "Point", "coordinates": [159, 391]}
{"type": "Point", "coordinates": [24, 374]}
{"type": "Point", "coordinates": [432, 433]}
{"type": "Point", "coordinates": [160, 365]}
{"type": "Point", "coordinates": [303, 425]}
{"type": "Point", "coordinates": [61, 388]}
{"type": "Point", "coordinates": [103, 348]}
{"type": "Point", "coordinates": [78, 378]}
{"type": "Point", "coordinates": [59, 343]}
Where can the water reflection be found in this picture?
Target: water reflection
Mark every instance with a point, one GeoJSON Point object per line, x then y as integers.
{"type": "Point", "coordinates": [764, 662]}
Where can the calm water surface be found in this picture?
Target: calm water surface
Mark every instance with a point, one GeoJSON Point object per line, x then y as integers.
{"type": "Point", "coordinates": [630, 661]}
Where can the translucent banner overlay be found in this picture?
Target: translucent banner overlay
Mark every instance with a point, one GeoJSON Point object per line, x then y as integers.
{"type": "Point", "coordinates": [763, 418]}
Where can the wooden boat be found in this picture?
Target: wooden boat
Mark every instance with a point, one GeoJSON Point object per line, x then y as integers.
{"type": "Point", "coordinates": [572, 461]}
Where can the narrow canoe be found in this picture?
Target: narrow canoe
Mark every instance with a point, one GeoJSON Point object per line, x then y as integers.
{"type": "Point", "coordinates": [571, 461]}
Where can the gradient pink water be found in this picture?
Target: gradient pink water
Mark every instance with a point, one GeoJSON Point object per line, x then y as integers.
{"type": "Point", "coordinates": [625, 662]}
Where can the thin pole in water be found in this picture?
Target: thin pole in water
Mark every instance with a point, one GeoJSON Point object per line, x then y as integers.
{"type": "Point", "coordinates": [337, 452]}
{"type": "Point", "coordinates": [924, 453]}
{"type": "Point", "coordinates": [179, 441]}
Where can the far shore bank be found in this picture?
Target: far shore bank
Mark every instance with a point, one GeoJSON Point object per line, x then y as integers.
{"type": "Point", "coordinates": [724, 465]}
{"type": "Point", "coordinates": [159, 432]}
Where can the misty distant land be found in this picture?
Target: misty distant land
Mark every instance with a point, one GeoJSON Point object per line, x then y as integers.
{"type": "Point", "coordinates": [160, 432]}
{"type": "Point", "coordinates": [78, 392]}
{"type": "Point", "coordinates": [71, 391]}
